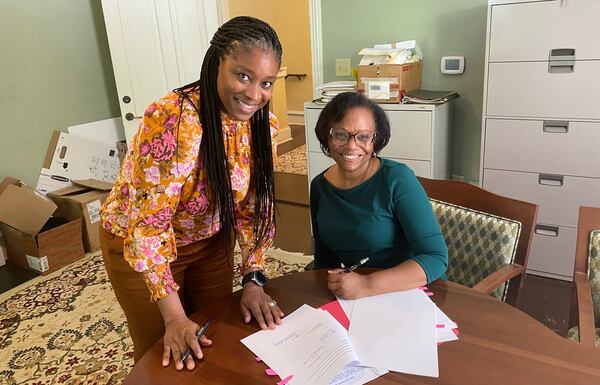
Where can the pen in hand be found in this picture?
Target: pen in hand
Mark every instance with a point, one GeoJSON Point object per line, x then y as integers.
{"type": "Point", "coordinates": [356, 265]}
{"type": "Point", "coordinates": [199, 334]}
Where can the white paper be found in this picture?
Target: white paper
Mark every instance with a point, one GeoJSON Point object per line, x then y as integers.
{"type": "Point", "coordinates": [378, 89]}
{"type": "Point", "coordinates": [396, 331]}
{"type": "Point", "coordinates": [347, 305]}
{"type": "Point", "coordinates": [309, 344]}
{"type": "Point", "coordinates": [445, 335]}
{"type": "Point", "coordinates": [338, 84]}
{"type": "Point", "coordinates": [442, 319]}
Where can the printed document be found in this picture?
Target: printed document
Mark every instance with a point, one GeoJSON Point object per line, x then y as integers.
{"type": "Point", "coordinates": [309, 344]}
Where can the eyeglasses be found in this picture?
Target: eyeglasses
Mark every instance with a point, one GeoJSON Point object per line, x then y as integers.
{"type": "Point", "coordinates": [341, 137]}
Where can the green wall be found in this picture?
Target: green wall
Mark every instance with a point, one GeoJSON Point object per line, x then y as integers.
{"type": "Point", "coordinates": [441, 28]}
{"type": "Point", "coordinates": [55, 72]}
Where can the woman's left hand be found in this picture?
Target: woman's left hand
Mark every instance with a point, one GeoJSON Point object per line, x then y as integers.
{"type": "Point", "coordinates": [255, 302]}
{"type": "Point", "coordinates": [347, 285]}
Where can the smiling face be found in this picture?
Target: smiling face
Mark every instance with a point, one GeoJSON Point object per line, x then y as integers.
{"type": "Point", "coordinates": [354, 155]}
{"type": "Point", "coordinates": [245, 81]}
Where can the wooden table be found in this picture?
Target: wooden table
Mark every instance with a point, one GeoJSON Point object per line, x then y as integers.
{"type": "Point", "coordinates": [498, 344]}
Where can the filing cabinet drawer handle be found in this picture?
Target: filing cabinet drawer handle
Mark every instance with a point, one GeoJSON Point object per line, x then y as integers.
{"type": "Point", "coordinates": [551, 180]}
{"type": "Point", "coordinates": [556, 126]}
{"type": "Point", "coordinates": [548, 231]}
{"type": "Point", "coordinates": [561, 60]}
{"type": "Point", "coordinates": [562, 54]}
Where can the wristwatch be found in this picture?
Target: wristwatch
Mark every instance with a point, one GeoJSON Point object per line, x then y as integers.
{"type": "Point", "coordinates": [257, 277]}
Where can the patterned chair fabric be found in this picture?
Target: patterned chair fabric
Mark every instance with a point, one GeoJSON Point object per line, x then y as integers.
{"type": "Point", "coordinates": [478, 243]}
{"type": "Point", "coordinates": [573, 334]}
{"type": "Point", "coordinates": [594, 278]}
{"type": "Point", "coordinates": [594, 273]}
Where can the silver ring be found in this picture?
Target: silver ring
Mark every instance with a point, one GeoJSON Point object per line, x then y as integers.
{"type": "Point", "coordinates": [272, 303]}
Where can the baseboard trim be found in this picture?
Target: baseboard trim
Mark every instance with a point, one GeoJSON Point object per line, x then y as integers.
{"type": "Point", "coordinates": [296, 117]}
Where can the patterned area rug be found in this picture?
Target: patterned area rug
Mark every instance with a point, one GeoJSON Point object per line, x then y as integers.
{"type": "Point", "coordinates": [293, 162]}
{"type": "Point", "coordinates": [67, 328]}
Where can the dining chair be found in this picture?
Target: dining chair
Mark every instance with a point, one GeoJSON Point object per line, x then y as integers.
{"type": "Point", "coordinates": [585, 312]}
{"type": "Point", "coordinates": [488, 236]}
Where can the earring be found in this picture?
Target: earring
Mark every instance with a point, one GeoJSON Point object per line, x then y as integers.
{"type": "Point", "coordinates": [325, 150]}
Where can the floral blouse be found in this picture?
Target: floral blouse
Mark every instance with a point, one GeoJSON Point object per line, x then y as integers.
{"type": "Point", "coordinates": [160, 199]}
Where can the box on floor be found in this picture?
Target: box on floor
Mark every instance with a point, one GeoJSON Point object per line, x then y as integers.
{"type": "Point", "coordinates": [83, 200]}
{"type": "Point", "coordinates": [33, 238]}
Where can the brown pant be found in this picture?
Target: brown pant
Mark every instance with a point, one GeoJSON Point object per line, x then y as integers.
{"type": "Point", "coordinates": [203, 270]}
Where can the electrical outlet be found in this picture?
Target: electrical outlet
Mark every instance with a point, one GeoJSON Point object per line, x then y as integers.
{"type": "Point", "coordinates": [342, 67]}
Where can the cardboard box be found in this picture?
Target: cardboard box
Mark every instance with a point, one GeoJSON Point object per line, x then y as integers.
{"type": "Point", "coordinates": [56, 245]}
{"type": "Point", "coordinates": [83, 200]}
{"type": "Point", "coordinates": [76, 158]}
{"type": "Point", "coordinates": [388, 82]}
{"type": "Point", "coordinates": [33, 239]}
{"type": "Point", "coordinates": [22, 207]}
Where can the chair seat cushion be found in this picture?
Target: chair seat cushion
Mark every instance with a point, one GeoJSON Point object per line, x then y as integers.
{"type": "Point", "coordinates": [573, 334]}
{"type": "Point", "coordinates": [478, 243]}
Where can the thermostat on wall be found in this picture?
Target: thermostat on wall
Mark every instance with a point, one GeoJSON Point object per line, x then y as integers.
{"type": "Point", "coordinates": [453, 65]}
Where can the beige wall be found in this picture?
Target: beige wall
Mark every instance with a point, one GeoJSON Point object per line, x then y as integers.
{"type": "Point", "coordinates": [290, 19]}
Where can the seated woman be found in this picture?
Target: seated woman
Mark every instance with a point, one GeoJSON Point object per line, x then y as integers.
{"type": "Point", "coordinates": [367, 206]}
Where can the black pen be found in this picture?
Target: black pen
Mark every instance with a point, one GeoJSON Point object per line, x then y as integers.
{"type": "Point", "coordinates": [356, 265]}
{"type": "Point", "coordinates": [198, 335]}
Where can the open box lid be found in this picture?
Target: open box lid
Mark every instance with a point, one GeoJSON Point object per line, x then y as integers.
{"type": "Point", "coordinates": [80, 186]}
{"type": "Point", "coordinates": [22, 207]}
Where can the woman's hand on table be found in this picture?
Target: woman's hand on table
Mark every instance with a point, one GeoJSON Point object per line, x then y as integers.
{"type": "Point", "coordinates": [180, 334]}
{"type": "Point", "coordinates": [347, 285]}
{"type": "Point", "coordinates": [258, 304]}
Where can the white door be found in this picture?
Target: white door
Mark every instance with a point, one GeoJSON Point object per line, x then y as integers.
{"type": "Point", "coordinates": [156, 46]}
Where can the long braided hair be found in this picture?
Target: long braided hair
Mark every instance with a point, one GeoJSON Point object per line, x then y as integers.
{"type": "Point", "coordinates": [242, 32]}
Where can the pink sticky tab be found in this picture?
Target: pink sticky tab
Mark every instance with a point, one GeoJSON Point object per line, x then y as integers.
{"type": "Point", "coordinates": [285, 380]}
{"type": "Point", "coordinates": [429, 294]}
{"type": "Point", "coordinates": [455, 331]}
{"type": "Point", "coordinates": [270, 372]}
{"type": "Point", "coordinates": [258, 359]}
{"type": "Point", "coordinates": [423, 288]}
{"type": "Point", "coordinates": [439, 326]}
{"type": "Point", "coordinates": [335, 309]}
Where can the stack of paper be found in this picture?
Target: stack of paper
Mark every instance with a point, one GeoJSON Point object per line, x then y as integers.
{"type": "Point", "coordinates": [354, 342]}
{"type": "Point", "coordinates": [331, 89]}
{"type": "Point", "coordinates": [392, 53]}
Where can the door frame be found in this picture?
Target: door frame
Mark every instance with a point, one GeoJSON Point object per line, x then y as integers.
{"type": "Point", "coordinates": [316, 43]}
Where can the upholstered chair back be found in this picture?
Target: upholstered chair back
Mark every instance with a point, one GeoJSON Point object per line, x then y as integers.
{"type": "Point", "coordinates": [478, 243]}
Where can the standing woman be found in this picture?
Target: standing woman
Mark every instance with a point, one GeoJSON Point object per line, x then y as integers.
{"type": "Point", "coordinates": [198, 176]}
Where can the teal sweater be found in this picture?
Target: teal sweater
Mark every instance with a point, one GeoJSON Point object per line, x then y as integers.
{"type": "Point", "coordinates": [387, 218]}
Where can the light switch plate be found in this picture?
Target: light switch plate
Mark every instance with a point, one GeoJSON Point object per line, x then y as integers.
{"type": "Point", "coordinates": [343, 67]}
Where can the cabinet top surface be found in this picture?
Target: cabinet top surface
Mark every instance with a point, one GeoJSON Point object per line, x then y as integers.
{"type": "Point", "coordinates": [385, 107]}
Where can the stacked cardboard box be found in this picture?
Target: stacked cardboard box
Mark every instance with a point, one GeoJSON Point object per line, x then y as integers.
{"type": "Point", "coordinates": [33, 238]}
{"type": "Point", "coordinates": [47, 228]}
{"type": "Point", "coordinates": [83, 200]}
